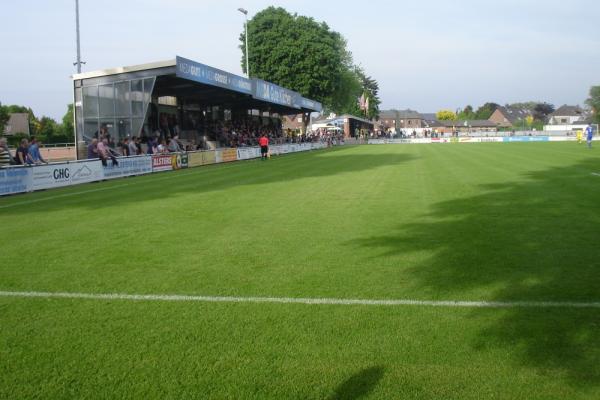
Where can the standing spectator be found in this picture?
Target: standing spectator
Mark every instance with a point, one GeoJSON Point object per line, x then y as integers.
{"type": "Point", "coordinates": [138, 145]}
{"type": "Point", "coordinates": [5, 156]}
{"type": "Point", "coordinates": [125, 147]}
{"type": "Point", "coordinates": [264, 147]}
{"type": "Point", "coordinates": [92, 149]}
{"type": "Point", "coordinates": [133, 150]}
{"type": "Point", "coordinates": [33, 153]}
{"type": "Point", "coordinates": [151, 146]}
{"type": "Point", "coordinates": [22, 150]}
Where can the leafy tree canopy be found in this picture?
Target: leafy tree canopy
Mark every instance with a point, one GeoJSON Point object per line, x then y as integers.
{"type": "Point", "coordinates": [486, 111]}
{"type": "Point", "coordinates": [446, 115]}
{"type": "Point", "coordinates": [45, 129]}
{"type": "Point", "coordinates": [466, 114]}
{"type": "Point", "coordinates": [304, 55]}
{"type": "Point", "coordinates": [594, 102]}
{"type": "Point", "coordinates": [3, 118]}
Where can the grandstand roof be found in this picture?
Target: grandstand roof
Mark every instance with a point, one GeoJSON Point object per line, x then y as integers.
{"type": "Point", "coordinates": [182, 77]}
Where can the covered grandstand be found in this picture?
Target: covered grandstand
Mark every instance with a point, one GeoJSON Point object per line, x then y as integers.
{"type": "Point", "coordinates": [205, 106]}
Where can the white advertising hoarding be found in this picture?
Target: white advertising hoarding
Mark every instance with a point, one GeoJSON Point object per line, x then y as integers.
{"type": "Point", "coordinates": [129, 166]}
{"type": "Point", "coordinates": [15, 180]}
{"type": "Point", "coordinates": [65, 174]}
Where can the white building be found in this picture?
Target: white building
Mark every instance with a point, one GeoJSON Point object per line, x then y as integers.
{"type": "Point", "coordinates": [568, 119]}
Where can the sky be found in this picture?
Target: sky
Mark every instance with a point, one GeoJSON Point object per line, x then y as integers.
{"type": "Point", "coordinates": [426, 55]}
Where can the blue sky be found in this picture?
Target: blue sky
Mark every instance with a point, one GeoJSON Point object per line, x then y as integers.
{"type": "Point", "coordinates": [426, 54]}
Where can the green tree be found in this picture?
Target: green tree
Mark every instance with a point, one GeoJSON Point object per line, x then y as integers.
{"type": "Point", "coordinates": [296, 52]}
{"type": "Point", "coordinates": [594, 102]}
{"type": "Point", "coordinates": [304, 55]}
{"type": "Point", "coordinates": [4, 116]}
{"type": "Point", "coordinates": [486, 111]}
{"type": "Point", "coordinates": [370, 88]}
{"type": "Point", "coordinates": [467, 114]}
{"type": "Point", "coordinates": [48, 128]}
{"type": "Point", "coordinates": [541, 111]}
{"type": "Point", "coordinates": [349, 89]}
{"type": "Point", "coordinates": [529, 120]}
{"type": "Point", "coordinates": [526, 105]}
{"type": "Point", "coordinates": [445, 115]}
{"type": "Point", "coordinates": [66, 129]}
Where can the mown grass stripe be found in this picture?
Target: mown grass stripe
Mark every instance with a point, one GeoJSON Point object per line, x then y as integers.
{"type": "Point", "coordinates": [307, 301]}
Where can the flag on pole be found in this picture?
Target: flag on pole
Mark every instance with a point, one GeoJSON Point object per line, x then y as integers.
{"type": "Point", "coordinates": [361, 102]}
{"type": "Point", "coordinates": [367, 106]}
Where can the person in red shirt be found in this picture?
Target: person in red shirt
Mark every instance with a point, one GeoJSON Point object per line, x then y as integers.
{"type": "Point", "coordinates": [264, 146]}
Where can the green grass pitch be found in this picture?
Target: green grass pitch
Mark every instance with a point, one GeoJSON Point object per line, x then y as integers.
{"type": "Point", "coordinates": [473, 222]}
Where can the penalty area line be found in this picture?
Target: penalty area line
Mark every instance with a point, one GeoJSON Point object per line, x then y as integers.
{"type": "Point", "coordinates": [306, 301]}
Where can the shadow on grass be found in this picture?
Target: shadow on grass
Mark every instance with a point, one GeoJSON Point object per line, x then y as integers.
{"type": "Point", "coordinates": [532, 240]}
{"type": "Point", "coordinates": [358, 385]}
{"type": "Point", "coordinates": [137, 190]}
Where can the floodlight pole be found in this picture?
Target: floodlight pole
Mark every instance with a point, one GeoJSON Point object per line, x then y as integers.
{"type": "Point", "coordinates": [78, 62]}
{"type": "Point", "coordinates": [245, 12]}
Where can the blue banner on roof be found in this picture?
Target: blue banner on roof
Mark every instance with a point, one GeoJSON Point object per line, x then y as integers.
{"type": "Point", "coordinates": [191, 70]}
{"type": "Point", "coordinates": [311, 104]}
{"type": "Point", "coordinates": [273, 93]}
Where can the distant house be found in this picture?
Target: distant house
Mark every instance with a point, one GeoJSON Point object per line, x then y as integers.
{"type": "Point", "coordinates": [17, 123]}
{"type": "Point", "coordinates": [293, 122]}
{"type": "Point", "coordinates": [483, 125]}
{"type": "Point", "coordinates": [430, 121]}
{"type": "Point", "coordinates": [388, 119]}
{"type": "Point", "coordinates": [568, 115]}
{"type": "Point", "coordinates": [506, 117]}
{"type": "Point", "coordinates": [568, 119]}
{"type": "Point", "coordinates": [401, 119]}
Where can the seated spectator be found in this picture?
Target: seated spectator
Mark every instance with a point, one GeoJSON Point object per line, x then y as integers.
{"type": "Point", "coordinates": [162, 147]}
{"type": "Point", "coordinates": [22, 150]}
{"type": "Point", "coordinates": [104, 152]}
{"type": "Point", "coordinates": [92, 149]}
{"type": "Point", "coordinates": [174, 146]}
{"type": "Point", "coordinates": [6, 158]}
{"type": "Point", "coordinates": [33, 153]}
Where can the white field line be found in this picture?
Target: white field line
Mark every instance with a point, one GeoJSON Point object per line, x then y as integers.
{"type": "Point", "coordinates": [308, 301]}
{"type": "Point", "coordinates": [595, 173]}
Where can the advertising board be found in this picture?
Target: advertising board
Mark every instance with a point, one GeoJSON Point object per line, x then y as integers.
{"type": "Point", "coordinates": [129, 166]}
{"type": "Point", "coordinates": [65, 174]}
{"type": "Point", "coordinates": [15, 180]}
{"type": "Point", "coordinates": [179, 161]}
{"type": "Point", "coordinates": [194, 71]}
{"type": "Point", "coordinates": [526, 139]}
{"type": "Point", "coordinates": [199, 158]}
{"type": "Point", "coordinates": [228, 155]}
{"type": "Point", "coordinates": [162, 162]}
{"type": "Point", "coordinates": [39, 177]}
{"type": "Point", "coordinates": [247, 153]}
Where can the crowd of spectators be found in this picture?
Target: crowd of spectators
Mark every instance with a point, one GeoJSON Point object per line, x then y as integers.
{"type": "Point", "coordinates": [165, 139]}
{"type": "Point", "coordinates": [404, 134]}
{"type": "Point", "coordinates": [28, 153]}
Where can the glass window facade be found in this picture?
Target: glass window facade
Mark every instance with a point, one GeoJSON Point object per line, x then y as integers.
{"type": "Point", "coordinates": [117, 108]}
